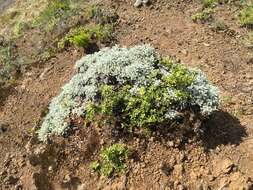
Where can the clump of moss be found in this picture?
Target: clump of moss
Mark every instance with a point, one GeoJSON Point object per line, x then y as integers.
{"type": "Point", "coordinates": [84, 36]}
{"type": "Point", "coordinates": [113, 160]}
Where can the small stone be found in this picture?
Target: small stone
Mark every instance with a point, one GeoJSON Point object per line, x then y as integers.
{"type": "Point", "coordinates": [151, 139]}
{"type": "Point", "coordinates": [145, 1]}
{"type": "Point", "coordinates": [224, 167]}
{"type": "Point", "coordinates": [211, 177]}
{"type": "Point", "coordinates": [181, 157]}
{"type": "Point", "coordinates": [143, 165]}
{"type": "Point", "coordinates": [172, 161]}
{"type": "Point", "coordinates": [18, 187]}
{"type": "Point", "coordinates": [3, 173]}
{"type": "Point", "coordinates": [50, 168]}
{"type": "Point", "coordinates": [176, 183]}
{"type": "Point", "coordinates": [248, 186]}
{"type": "Point", "coordinates": [201, 185]}
{"type": "Point", "coordinates": [13, 171]}
{"type": "Point", "coordinates": [194, 175]}
{"type": "Point", "coordinates": [102, 142]}
{"type": "Point", "coordinates": [138, 3]}
{"type": "Point", "coordinates": [170, 143]}
{"type": "Point", "coordinates": [179, 169]}
{"type": "Point", "coordinates": [206, 44]}
{"type": "Point", "coordinates": [67, 179]}
{"type": "Point", "coordinates": [184, 51]}
{"type": "Point", "coordinates": [81, 187]}
{"type": "Point", "coordinates": [180, 187]}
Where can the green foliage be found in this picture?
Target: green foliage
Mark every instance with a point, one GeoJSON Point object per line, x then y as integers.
{"type": "Point", "coordinates": [149, 104]}
{"type": "Point", "coordinates": [112, 105]}
{"type": "Point", "coordinates": [180, 77]}
{"type": "Point", "coordinates": [209, 3]}
{"type": "Point", "coordinates": [204, 15]}
{"type": "Point", "coordinates": [52, 13]}
{"type": "Point", "coordinates": [81, 40]}
{"type": "Point", "coordinates": [95, 166]}
{"type": "Point", "coordinates": [129, 88]}
{"type": "Point", "coordinates": [19, 28]}
{"type": "Point", "coordinates": [83, 36]}
{"type": "Point", "coordinates": [247, 40]}
{"type": "Point", "coordinates": [113, 160]}
{"type": "Point", "coordinates": [246, 15]}
{"type": "Point", "coordinates": [226, 99]}
{"type": "Point", "coordinates": [101, 16]}
{"type": "Point", "coordinates": [8, 63]}
{"type": "Point", "coordinates": [218, 25]}
{"type": "Point", "coordinates": [167, 62]}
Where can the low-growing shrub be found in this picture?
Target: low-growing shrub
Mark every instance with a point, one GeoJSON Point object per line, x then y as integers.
{"type": "Point", "coordinates": [52, 13]}
{"type": "Point", "coordinates": [147, 105]}
{"type": "Point", "coordinates": [83, 36]}
{"type": "Point", "coordinates": [248, 40]}
{"type": "Point", "coordinates": [209, 3]}
{"type": "Point", "coordinates": [218, 25]}
{"type": "Point", "coordinates": [113, 160]}
{"type": "Point", "coordinates": [131, 88]}
{"type": "Point", "coordinates": [246, 15]}
{"type": "Point", "coordinates": [8, 63]}
{"type": "Point", "coordinates": [81, 40]}
{"type": "Point", "coordinates": [203, 16]}
{"type": "Point", "coordinates": [101, 16]}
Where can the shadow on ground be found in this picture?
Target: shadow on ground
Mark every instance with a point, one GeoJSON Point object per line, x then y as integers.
{"type": "Point", "coordinates": [222, 129]}
{"type": "Point", "coordinates": [5, 91]}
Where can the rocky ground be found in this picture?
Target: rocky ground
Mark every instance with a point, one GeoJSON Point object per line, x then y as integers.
{"type": "Point", "coordinates": [221, 158]}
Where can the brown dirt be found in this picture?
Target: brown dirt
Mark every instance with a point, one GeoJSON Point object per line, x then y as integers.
{"type": "Point", "coordinates": [222, 158]}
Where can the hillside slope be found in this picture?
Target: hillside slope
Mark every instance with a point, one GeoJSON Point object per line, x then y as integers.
{"type": "Point", "coordinates": [222, 158]}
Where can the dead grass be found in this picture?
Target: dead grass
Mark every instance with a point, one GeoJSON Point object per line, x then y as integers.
{"type": "Point", "coordinates": [20, 12]}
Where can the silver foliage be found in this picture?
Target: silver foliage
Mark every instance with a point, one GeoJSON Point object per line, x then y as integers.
{"type": "Point", "coordinates": [117, 65]}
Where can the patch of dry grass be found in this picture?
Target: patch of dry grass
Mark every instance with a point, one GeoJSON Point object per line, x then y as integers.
{"type": "Point", "coordinates": [18, 14]}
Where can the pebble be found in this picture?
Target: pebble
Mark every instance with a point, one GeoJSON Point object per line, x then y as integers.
{"type": "Point", "coordinates": [50, 168]}
{"type": "Point", "coordinates": [170, 143]}
{"type": "Point", "coordinates": [223, 167]}
{"type": "Point", "coordinates": [81, 187]}
{"type": "Point", "coordinates": [67, 178]}
{"type": "Point", "coordinates": [180, 187]}
{"type": "Point", "coordinates": [179, 169]}
{"type": "Point", "coordinates": [139, 3]}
